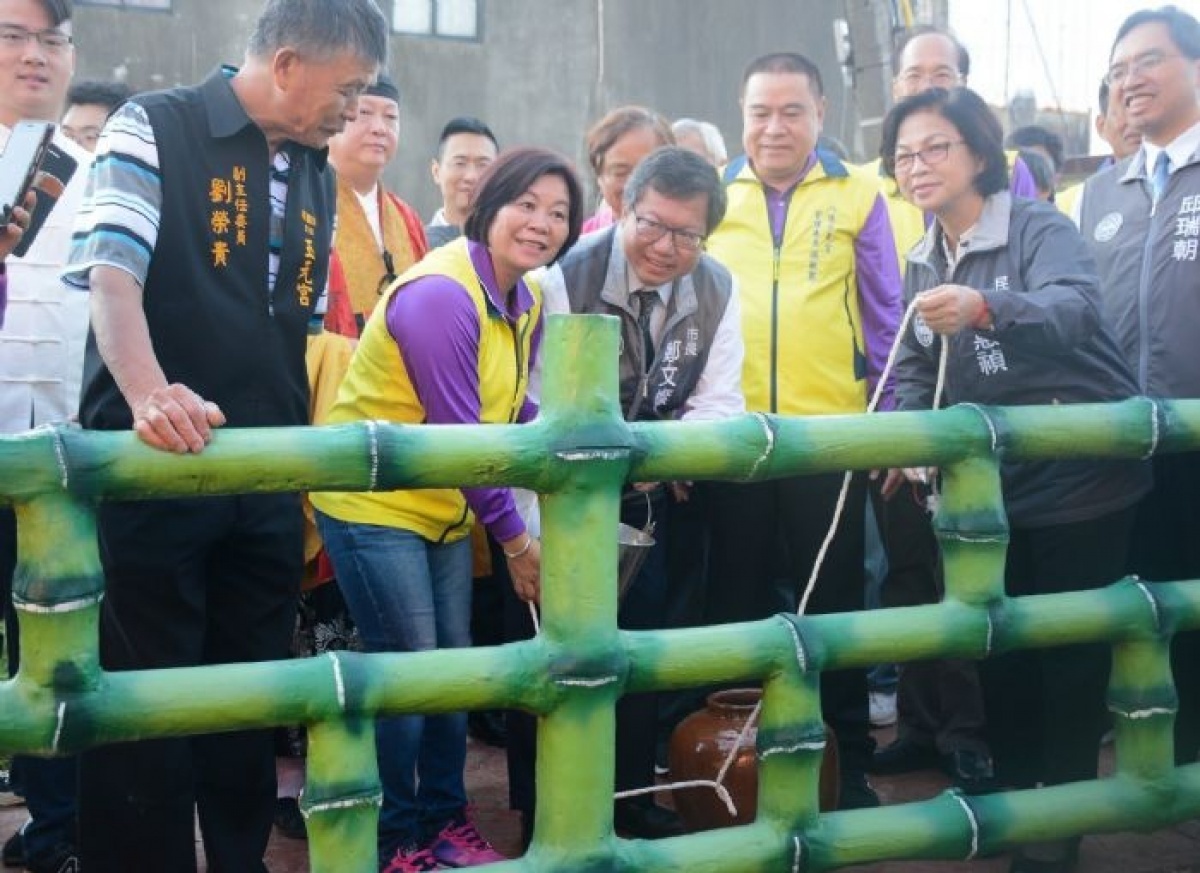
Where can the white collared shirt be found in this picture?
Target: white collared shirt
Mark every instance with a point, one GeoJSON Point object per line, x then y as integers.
{"type": "Point", "coordinates": [1179, 150]}
{"type": "Point", "coordinates": [46, 323]}
{"type": "Point", "coordinates": [370, 207]}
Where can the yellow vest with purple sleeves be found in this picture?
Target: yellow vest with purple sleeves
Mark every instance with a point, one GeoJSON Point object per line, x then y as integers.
{"type": "Point", "coordinates": [801, 323]}
{"type": "Point", "coordinates": [377, 387]}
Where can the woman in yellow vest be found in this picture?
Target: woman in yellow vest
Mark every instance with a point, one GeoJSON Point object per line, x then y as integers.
{"type": "Point", "coordinates": [450, 343]}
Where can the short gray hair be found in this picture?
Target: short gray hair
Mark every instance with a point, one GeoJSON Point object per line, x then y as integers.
{"type": "Point", "coordinates": [709, 134]}
{"type": "Point", "coordinates": [679, 174]}
{"type": "Point", "coordinates": [320, 28]}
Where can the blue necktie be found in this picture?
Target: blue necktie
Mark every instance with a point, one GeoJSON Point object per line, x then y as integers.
{"type": "Point", "coordinates": [1158, 182]}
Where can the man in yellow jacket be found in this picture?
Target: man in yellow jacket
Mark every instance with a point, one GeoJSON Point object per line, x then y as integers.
{"type": "Point", "coordinates": [809, 242]}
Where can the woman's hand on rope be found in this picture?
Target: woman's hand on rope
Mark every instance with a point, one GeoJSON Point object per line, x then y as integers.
{"type": "Point", "coordinates": [948, 309]}
{"type": "Point", "coordinates": [524, 556]}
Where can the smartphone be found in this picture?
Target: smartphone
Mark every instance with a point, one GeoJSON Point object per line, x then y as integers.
{"type": "Point", "coordinates": [20, 162]}
{"type": "Point", "coordinates": [56, 171]}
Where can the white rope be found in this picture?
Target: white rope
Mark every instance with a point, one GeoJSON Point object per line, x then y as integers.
{"type": "Point", "coordinates": [752, 721]}
{"type": "Point", "coordinates": [722, 791]}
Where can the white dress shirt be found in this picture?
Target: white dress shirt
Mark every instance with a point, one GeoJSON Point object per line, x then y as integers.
{"type": "Point", "coordinates": [45, 326]}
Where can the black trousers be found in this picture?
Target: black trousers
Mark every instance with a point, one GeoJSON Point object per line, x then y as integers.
{"type": "Point", "coordinates": [642, 608]}
{"type": "Point", "coordinates": [939, 703]}
{"type": "Point", "coordinates": [687, 542]}
{"type": "Point", "coordinates": [1166, 547]}
{"type": "Point", "coordinates": [765, 537]}
{"type": "Point", "coordinates": [190, 582]}
{"type": "Point", "coordinates": [1045, 707]}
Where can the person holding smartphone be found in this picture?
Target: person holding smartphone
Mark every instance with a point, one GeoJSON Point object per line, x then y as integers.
{"type": "Point", "coordinates": [10, 237]}
{"type": "Point", "coordinates": [42, 335]}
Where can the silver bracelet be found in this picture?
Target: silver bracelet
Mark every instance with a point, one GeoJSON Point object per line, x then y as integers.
{"type": "Point", "coordinates": [522, 550]}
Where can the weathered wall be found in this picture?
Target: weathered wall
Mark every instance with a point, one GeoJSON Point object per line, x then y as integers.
{"type": "Point", "coordinates": [542, 71]}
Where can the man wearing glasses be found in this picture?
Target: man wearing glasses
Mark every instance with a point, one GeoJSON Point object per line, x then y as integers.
{"type": "Point", "coordinates": [41, 366]}
{"type": "Point", "coordinates": [809, 242]}
{"type": "Point", "coordinates": [930, 58]}
{"type": "Point", "coordinates": [1141, 219]}
{"type": "Point", "coordinates": [681, 358]}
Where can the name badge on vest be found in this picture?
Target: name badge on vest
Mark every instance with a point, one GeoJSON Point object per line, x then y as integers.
{"type": "Point", "coordinates": [1108, 227]}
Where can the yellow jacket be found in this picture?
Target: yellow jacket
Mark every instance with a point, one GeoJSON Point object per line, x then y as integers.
{"type": "Point", "coordinates": [808, 350]}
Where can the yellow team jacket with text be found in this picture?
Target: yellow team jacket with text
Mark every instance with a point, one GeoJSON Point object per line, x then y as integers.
{"type": "Point", "coordinates": [800, 305]}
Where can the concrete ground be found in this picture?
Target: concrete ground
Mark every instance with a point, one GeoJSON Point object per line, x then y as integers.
{"type": "Point", "coordinates": [1171, 850]}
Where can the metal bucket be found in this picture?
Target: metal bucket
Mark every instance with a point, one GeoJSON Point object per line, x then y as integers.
{"type": "Point", "coordinates": [633, 546]}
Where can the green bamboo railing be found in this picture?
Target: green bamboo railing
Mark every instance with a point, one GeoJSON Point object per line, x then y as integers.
{"type": "Point", "coordinates": [578, 454]}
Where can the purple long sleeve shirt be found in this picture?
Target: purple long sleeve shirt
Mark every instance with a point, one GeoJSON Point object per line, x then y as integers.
{"type": "Point", "coordinates": [878, 277]}
{"type": "Point", "coordinates": [436, 328]}
{"type": "Point", "coordinates": [1021, 183]}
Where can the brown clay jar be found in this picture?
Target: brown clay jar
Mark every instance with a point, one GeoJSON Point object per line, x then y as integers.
{"type": "Point", "coordinates": [699, 747]}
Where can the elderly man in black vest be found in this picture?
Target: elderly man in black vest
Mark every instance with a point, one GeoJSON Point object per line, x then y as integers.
{"type": "Point", "coordinates": [204, 241]}
{"type": "Point", "coordinates": [681, 358]}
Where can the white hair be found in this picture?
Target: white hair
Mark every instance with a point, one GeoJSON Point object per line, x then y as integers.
{"type": "Point", "coordinates": [714, 143]}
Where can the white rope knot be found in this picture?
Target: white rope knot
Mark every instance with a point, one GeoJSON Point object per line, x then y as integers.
{"type": "Point", "coordinates": [721, 790]}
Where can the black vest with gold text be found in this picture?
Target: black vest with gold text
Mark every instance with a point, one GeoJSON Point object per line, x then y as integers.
{"type": "Point", "coordinates": [215, 324]}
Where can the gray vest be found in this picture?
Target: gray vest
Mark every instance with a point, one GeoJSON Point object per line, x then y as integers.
{"type": "Point", "coordinates": [695, 308]}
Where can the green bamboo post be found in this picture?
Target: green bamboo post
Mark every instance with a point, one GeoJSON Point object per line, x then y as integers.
{"type": "Point", "coordinates": [791, 739]}
{"type": "Point", "coordinates": [579, 594]}
{"type": "Point", "coordinates": [342, 796]}
{"type": "Point", "coordinates": [56, 591]}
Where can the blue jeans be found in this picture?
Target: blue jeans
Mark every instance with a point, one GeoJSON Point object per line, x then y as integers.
{"type": "Point", "coordinates": [407, 594]}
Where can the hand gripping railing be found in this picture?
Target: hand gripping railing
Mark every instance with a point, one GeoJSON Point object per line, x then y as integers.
{"type": "Point", "coordinates": [578, 454]}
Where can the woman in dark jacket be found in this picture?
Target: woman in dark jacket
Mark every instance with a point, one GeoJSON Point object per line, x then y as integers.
{"type": "Point", "coordinates": [1009, 286]}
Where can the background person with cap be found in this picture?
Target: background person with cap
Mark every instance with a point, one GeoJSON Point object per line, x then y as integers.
{"type": "Point", "coordinates": [379, 236]}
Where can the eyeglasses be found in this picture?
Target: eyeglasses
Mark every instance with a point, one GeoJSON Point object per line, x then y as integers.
{"type": "Point", "coordinates": [1144, 63]}
{"type": "Point", "coordinates": [943, 77]}
{"type": "Point", "coordinates": [652, 231]}
{"type": "Point", "coordinates": [930, 155]}
{"type": "Point", "coordinates": [13, 37]}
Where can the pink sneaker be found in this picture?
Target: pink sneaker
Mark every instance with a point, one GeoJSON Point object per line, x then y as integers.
{"type": "Point", "coordinates": [412, 860]}
{"type": "Point", "coordinates": [461, 845]}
